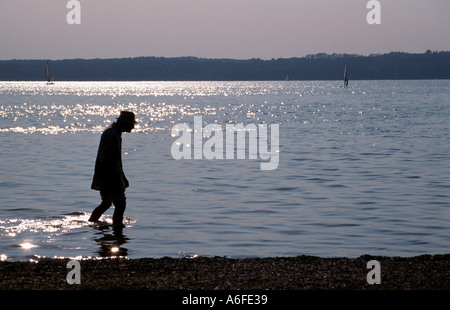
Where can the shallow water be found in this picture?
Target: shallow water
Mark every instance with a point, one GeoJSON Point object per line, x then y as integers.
{"type": "Point", "coordinates": [363, 170]}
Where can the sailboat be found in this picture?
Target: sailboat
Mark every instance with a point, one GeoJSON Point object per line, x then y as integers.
{"type": "Point", "coordinates": [47, 71]}
{"type": "Point", "coordinates": [345, 76]}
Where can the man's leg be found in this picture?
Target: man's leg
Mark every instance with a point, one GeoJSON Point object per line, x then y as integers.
{"type": "Point", "coordinates": [104, 205]}
{"type": "Point", "coordinates": [119, 209]}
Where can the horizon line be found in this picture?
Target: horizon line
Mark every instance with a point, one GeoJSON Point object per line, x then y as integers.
{"type": "Point", "coordinates": [428, 51]}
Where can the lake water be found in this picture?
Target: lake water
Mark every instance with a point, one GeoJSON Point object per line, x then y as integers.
{"type": "Point", "coordinates": [362, 170]}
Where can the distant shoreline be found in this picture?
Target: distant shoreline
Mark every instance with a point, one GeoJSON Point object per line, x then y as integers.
{"type": "Point", "coordinates": [425, 272]}
{"type": "Point", "coordinates": [391, 66]}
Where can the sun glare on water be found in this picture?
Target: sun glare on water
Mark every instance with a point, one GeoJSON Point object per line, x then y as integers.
{"type": "Point", "coordinates": [27, 245]}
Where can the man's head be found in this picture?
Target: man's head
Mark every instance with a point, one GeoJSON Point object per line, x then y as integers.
{"type": "Point", "coordinates": [126, 120]}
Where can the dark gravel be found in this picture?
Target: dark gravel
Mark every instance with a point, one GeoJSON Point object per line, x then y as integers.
{"type": "Point", "coordinates": [424, 272]}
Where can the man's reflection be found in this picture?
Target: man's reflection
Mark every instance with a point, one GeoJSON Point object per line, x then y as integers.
{"type": "Point", "coordinates": [111, 241]}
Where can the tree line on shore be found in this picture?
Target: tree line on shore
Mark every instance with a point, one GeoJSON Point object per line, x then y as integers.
{"type": "Point", "coordinates": [390, 66]}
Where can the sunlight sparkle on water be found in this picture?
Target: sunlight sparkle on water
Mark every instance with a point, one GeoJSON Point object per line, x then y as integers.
{"type": "Point", "coordinates": [73, 107]}
{"type": "Point", "coordinates": [62, 223]}
{"type": "Point", "coordinates": [27, 245]}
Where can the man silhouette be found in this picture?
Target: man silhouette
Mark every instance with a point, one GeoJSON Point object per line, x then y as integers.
{"type": "Point", "coordinates": [109, 178]}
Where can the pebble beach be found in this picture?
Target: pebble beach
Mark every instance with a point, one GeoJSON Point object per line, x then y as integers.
{"type": "Point", "coordinates": [425, 272]}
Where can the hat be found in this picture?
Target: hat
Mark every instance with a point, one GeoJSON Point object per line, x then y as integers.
{"type": "Point", "coordinates": [127, 117]}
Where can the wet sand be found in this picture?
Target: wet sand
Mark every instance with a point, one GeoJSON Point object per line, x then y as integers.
{"type": "Point", "coordinates": [425, 272]}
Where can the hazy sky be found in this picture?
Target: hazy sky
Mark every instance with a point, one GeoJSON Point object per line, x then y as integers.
{"type": "Point", "coordinates": [241, 29]}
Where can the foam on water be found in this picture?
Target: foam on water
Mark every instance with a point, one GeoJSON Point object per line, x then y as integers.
{"type": "Point", "coordinates": [39, 236]}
